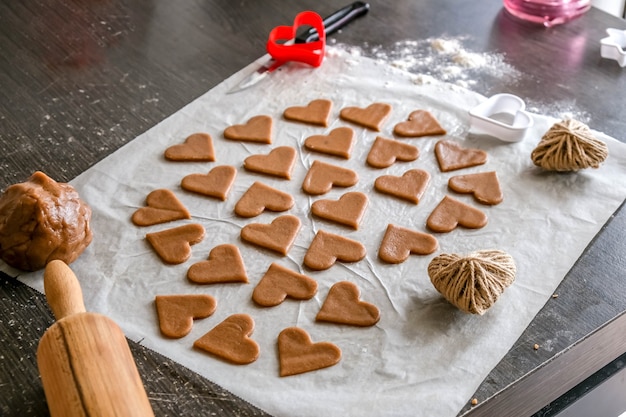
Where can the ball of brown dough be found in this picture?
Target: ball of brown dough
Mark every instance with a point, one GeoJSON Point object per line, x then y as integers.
{"type": "Point", "coordinates": [42, 220]}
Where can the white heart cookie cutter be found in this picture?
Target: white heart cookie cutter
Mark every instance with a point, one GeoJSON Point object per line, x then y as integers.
{"type": "Point", "coordinates": [612, 47]}
{"type": "Point", "coordinates": [502, 116]}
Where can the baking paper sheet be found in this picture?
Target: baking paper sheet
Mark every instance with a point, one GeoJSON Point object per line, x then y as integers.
{"type": "Point", "coordinates": [424, 357]}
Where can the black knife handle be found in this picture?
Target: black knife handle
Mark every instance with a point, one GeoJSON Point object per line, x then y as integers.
{"type": "Point", "coordinates": [335, 21]}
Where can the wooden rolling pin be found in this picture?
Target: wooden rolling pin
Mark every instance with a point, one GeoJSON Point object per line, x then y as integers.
{"type": "Point", "coordinates": [85, 363]}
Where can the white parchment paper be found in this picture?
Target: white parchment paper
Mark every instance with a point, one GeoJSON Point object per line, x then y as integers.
{"type": "Point", "coordinates": [424, 357]}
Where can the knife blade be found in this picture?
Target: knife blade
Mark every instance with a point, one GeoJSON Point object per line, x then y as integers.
{"type": "Point", "coordinates": [332, 24]}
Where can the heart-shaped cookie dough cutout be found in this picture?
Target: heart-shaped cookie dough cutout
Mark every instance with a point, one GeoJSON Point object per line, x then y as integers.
{"type": "Point", "coordinates": [483, 185]}
{"type": "Point", "coordinates": [451, 156]}
{"type": "Point", "coordinates": [339, 142]}
{"type": "Point", "coordinates": [420, 123]}
{"type": "Point", "coordinates": [344, 306]}
{"type": "Point", "coordinates": [385, 152]}
{"type": "Point", "coordinates": [371, 117]}
{"type": "Point", "coordinates": [400, 242]}
{"type": "Point", "coordinates": [224, 264]}
{"type": "Point", "coordinates": [230, 340]}
{"type": "Point", "coordinates": [348, 210]}
{"type": "Point", "coordinates": [298, 354]}
{"type": "Point", "coordinates": [279, 283]}
{"type": "Point", "coordinates": [410, 186]}
{"type": "Point", "coordinates": [322, 177]}
{"type": "Point", "coordinates": [217, 183]}
{"type": "Point", "coordinates": [257, 129]}
{"type": "Point", "coordinates": [311, 53]}
{"type": "Point", "coordinates": [328, 248]}
{"type": "Point", "coordinates": [260, 197]}
{"type": "Point", "coordinates": [451, 213]}
{"type": "Point", "coordinates": [177, 312]}
{"type": "Point", "coordinates": [196, 148]}
{"type": "Point", "coordinates": [279, 162]}
{"type": "Point", "coordinates": [277, 236]}
{"type": "Point", "coordinates": [314, 113]}
{"type": "Point", "coordinates": [174, 245]}
{"type": "Point", "coordinates": [161, 206]}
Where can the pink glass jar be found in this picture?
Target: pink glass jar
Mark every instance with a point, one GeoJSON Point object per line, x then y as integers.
{"type": "Point", "coordinates": [547, 12]}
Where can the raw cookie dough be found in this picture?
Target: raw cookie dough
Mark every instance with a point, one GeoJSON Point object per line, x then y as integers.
{"type": "Point", "coordinates": [298, 354]}
{"type": "Point", "coordinates": [162, 206]}
{"type": "Point", "coordinates": [452, 156]}
{"type": "Point", "coordinates": [177, 312]}
{"type": "Point", "coordinates": [371, 117]}
{"type": "Point", "coordinates": [410, 186]}
{"type": "Point", "coordinates": [42, 220]}
{"type": "Point", "coordinates": [277, 236]}
{"type": "Point", "coordinates": [257, 129]}
{"type": "Point", "coordinates": [224, 264]}
{"type": "Point", "coordinates": [344, 306]}
{"type": "Point", "coordinates": [260, 197]}
{"type": "Point", "coordinates": [230, 340]}
{"type": "Point", "coordinates": [315, 113]}
{"type": "Point", "coordinates": [348, 210]}
{"type": "Point", "coordinates": [451, 213]}
{"type": "Point", "coordinates": [400, 242]}
{"type": "Point", "coordinates": [216, 183]}
{"type": "Point", "coordinates": [328, 248]}
{"type": "Point", "coordinates": [385, 152]}
{"type": "Point", "coordinates": [174, 245]}
{"type": "Point", "coordinates": [484, 186]}
{"type": "Point", "coordinates": [338, 142]}
{"type": "Point", "coordinates": [321, 177]}
{"type": "Point", "coordinates": [196, 148]}
{"type": "Point", "coordinates": [279, 162]}
{"type": "Point", "coordinates": [420, 123]}
{"type": "Point", "coordinates": [279, 283]}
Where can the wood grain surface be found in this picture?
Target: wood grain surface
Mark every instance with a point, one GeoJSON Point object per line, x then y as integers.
{"type": "Point", "coordinates": [80, 78]}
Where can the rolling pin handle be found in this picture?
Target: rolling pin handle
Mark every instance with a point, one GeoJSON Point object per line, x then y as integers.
{"type": "Point", "coordinates": [62, 289]}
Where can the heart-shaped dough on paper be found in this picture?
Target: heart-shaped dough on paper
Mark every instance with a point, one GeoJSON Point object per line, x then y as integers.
{"type": "Point", "coordinates": [339, 142]}
{"type": "Point", "coordinates": [196, 148]}
{"type": "Point", "coordinates": [315, 113]}
{"type": "Point", "coordinates": [277, 236]}
{"type": "Point", "coordinates": [328, 248]}
{"type": "Point", "coordinates": [410, 186]}
{"type": "Point", "coordinates": [452, 156]}
{"type": "Point", "coordinates": [399, 242]}
{"type": "Point", "coordinates": [371, 117]}
{"type": "Point", "coordinates": [451, 213]}
{"type": "Point", "coordinates": [483, 185]}
{"type": "Point", "coordinates": [224, 264]}
{"type": "Point", "coordinates": [321, 177]}
{"type": "Point", "coordinates": [385, 152]}
{"type": "Point", "coordinates": [348, 210]}
{"type": "Point", "coordinates": [177, 312]}
{"type": "Point", "coordinates": [279, 162]}
{"type": "Point", "coordinates": [174, 245]}
{"type": "Point", "coordinates": [217, 183]}
{"type": "Point", "coordinates": [279, 283]}
{"type": "Point", "coordinates": [230, 340]}
{"type": "Point", "coordinates": [256, 129]}
{"type": "Point", "coordinates": [420, 123]}
{"type": "Point", "coordinates": [161, 206]}
{"type": "Point", "coordinates": [260, 197]}
{"type": "Point", "coordinates": [343, 306]}
{"type": "Point", "coordinates": [298, 354]}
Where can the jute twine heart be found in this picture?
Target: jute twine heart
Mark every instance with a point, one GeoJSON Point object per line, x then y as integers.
{"type": "Point", "coordinates": [472, 283]}
{"type": "Point", "coordinates": [569, 145]}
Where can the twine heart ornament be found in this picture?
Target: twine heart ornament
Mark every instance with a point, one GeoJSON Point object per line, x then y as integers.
{"type": "Point", "coordinates": [338, 142]}
{"type": "Point", "coordinates": [177, 312]}
{"type": "Point", "coordinates": [279, 283]}
{"type": "Point", "coordinates": [399, 243]}
{"type": "Point", "coordinates": [420, 123]}
{"type": "Point", "coordinates": [328, 248]}
{"type": "Point", "coordinates": [483, 185]}
{"type": "Point", "coordinates": [371, 117]}
{"type": "Point", "coordinates": [260, 197]}
{"type": "Point", "coordinates": [230, 340]}
{"type": "Point", "coordinates": [279, 162]}
{"type": "Point", "coordinates": [321, 177]}
{"type": "Point", "coordinates": [298, 354]}
{"type": "Point", "coordinates": [162, 206]}
{"type": "Point", "coordinates": [257, 129]}
{"type": "Point", "coordinates": [311, 53]}
{"type": "Point", "coordinates": [173, 246]}
{"type": "Point", "coordinates": [315, 113]}
{"type": "Point", "coordinates": [348, 210]}
{"type": "Point", "coordinates": [277, 236]}
{"type": "Point", "coordinates": [217, 183]}
{"type": "Point", "coordinates": [197, 147]}
{"type": "Point", "coordinates": [224, 264]}
{"type": "Point", "coordinates": [385, 152]}
{"type": "Point", "coordinates": [410, 186]}
{"type": "Point", "coordinates": [451, 213]}
{"type": "Point", "coordinates": [344, 306]}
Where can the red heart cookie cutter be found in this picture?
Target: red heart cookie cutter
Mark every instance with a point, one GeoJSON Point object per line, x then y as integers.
{"type": "Point", "coordinates": [311, 53]}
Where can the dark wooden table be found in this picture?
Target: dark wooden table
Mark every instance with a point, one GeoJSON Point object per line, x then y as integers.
{"type": "Point", "coordinates": [80, 78]}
